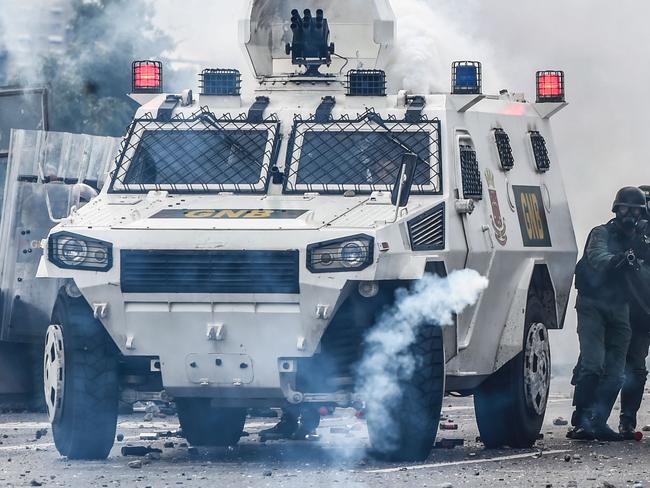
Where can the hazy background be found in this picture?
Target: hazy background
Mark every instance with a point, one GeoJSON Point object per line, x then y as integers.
{"type": "Point", "coordinates": [602, 45]}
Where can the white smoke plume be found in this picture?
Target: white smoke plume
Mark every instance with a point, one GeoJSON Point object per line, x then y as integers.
{"type": "Point", "coordinates": [427, 42]}
{"type": "Point", "coordinates": [388, 360]}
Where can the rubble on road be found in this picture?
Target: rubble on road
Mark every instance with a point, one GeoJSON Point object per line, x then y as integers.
{"type": "Point", "coordinates": [560, 421]}
{"type": "Point", "coordinates": [449, 425]}
{"type": "Point", "coordinates": [138, 450]}
{"type": "Point", "coordinates": [153, 456]}
{"type": "Point", "coordinates": [137, 464]}
{"type": "Point", "coordinates": [449, 443]}
{"type": "Point", "coordinates": [149, 436]}
{"type": "Point", "coordinates": [41, 433]}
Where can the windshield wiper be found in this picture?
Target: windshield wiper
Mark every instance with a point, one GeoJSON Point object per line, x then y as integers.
{"type": "Point", "coordinates": [376, 118]}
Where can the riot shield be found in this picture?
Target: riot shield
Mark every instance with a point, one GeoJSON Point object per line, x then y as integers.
{"type": "Point", "coordinates": [43, 170]}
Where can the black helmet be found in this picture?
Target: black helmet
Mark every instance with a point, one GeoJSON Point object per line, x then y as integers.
{"type": "Point", "coordinates": [646, 189]}
{"type": "Point", "coordinates": [630, 196]}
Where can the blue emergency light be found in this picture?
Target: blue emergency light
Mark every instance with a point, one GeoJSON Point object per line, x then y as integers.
{"type": "Point", "coordinates": [466, 78]}
{"type": "Point", "coordinates": [220, 82]}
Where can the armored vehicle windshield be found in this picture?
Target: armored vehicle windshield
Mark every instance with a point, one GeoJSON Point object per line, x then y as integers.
{"type": "Point", "coordinates": [200, 154]}
{"type": "Point", "coordinates": [361, 156]}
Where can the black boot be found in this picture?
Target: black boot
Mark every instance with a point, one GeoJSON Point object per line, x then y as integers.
{"type": "Point", "coordinates": [604, 432]}
{"type": "Point", "coordinates": [580, 433]}
{"type": "Point", "coordinates": [284, 429]}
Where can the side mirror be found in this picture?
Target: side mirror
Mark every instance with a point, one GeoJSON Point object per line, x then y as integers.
{"type": "Point", "coordinates": [404, 182]}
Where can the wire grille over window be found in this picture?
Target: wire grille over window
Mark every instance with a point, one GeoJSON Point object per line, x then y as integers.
{"type": "Point", "coordinates": [223, 82]}
{"type": "Point", "coordinates": [505, 150]}
{"type": "Point", "coordinates": [361, 155]}
{"type": "Point", "coordinates": [366, 83]}
{"type": "Point", "coordinates": [427, 231]}
{"type": "Point", "coordinates": [540, 152]}
{"type": "Point", "coordinates": [201, 153]}
{"type": "Point", "coordinates": [472, 184]}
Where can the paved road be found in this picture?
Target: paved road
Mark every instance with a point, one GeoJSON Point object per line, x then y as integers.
{"type": "Point", "coordinates": [336, 460]}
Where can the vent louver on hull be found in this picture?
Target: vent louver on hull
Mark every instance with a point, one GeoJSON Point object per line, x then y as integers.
{"type": "Point", "coordinates": [427, 231]}
{"type": "Point", "coordinates": [166, 271]}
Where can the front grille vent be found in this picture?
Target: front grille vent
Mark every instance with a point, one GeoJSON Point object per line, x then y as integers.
{"type": "Point", "coordinates": [427, 231]}
{"type": "Point", "coordinates": [163, 271]}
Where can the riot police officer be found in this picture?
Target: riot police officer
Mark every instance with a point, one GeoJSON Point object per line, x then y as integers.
{"type": "Point", "coordinates": [604, 316]}
{"type": "Point", "coordinates": [635, 364]}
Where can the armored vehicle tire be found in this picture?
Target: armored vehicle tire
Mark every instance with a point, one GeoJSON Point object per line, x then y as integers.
{"type": "Point", "coordinates": [417, 413]}
{"type": "Point", "coordinates": [510, 405]}
{"type": "Point", "coordinates": [81, 381]}
{"type": "Point", "coordinates": [205, 425]}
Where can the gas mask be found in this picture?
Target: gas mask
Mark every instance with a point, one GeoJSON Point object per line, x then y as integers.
{"type": "Point", "coordinates": [628, 217]}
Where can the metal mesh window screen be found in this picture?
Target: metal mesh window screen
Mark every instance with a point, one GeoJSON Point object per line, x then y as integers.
{"type": "Point", "coordinates": [471, 175]}
{"type": "Point", "coordinates": [361, 155]}
{"type": "Point", "coordinates": [197, 154]}
{"type": "Point", "coordinates": [366, 83]}
{"type": "Point", "coordinates": [540, 151]}
{"type": "Point", "coordinates": [224, 82]}
{"type": "Point", "coordinates": [504, 148]}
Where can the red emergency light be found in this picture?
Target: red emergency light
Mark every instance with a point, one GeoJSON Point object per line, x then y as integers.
{"type": "Point", "coordinates": [146, 77]}
{"type": "Point", "coordinates": [550, 86]}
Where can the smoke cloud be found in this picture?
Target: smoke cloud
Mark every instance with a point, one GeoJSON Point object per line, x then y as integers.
{"type": "Point", "coordinates": [426, 45]}
{"type": "Point", "coordinates": [388, 361]}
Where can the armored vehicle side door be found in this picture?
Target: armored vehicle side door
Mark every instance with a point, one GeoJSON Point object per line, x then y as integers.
{"type": "Point", "coordinates": [476, 224]}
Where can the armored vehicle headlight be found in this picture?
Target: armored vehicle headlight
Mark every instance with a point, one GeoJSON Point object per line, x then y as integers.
{"type": "Point", "coordinates": [73, 251]}
{"type": "Point", "coordinates": [347, 254]}
{"type": "Point", "coordinates": [354, 254]}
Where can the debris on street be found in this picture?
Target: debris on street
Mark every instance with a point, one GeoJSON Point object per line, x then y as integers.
{"type": "Point", "coordinates": [149, 436]}
{"type": "Point", "coordinates": [449, 425]}
{"type": "Point", "coordinates": [41, 433]}
{"type": "Point", "coordinates": [449, 443]}
{"type": "Point", "coordinates": [138, 450]}
{"type": "Point", "coordinates": [560, 421]}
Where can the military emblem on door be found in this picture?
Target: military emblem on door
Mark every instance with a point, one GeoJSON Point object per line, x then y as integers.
{"type": "Point", "coordinates": [498, 222]}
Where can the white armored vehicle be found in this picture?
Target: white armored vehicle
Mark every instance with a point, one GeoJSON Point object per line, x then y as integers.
{"type": "Point", "coordinates": [242, 247]}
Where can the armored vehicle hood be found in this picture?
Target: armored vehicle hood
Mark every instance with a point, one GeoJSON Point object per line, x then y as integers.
{"type": "Point", "coordinates": [159, 210]}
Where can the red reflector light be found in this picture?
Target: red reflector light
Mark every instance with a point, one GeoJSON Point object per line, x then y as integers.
{"type": "Point", "coordinates": [550, 86]}
{"type": "Point", "coordinates": [147, 77]}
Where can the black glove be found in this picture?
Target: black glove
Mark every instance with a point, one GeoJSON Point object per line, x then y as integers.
{"type": "Point", "coordinates": [619, 260]}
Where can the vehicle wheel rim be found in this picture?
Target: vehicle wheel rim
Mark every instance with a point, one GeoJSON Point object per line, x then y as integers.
{"type": "Point", "coordinates": [537, 374]}
{"type": "Point", "coordinates": [54, 371]}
